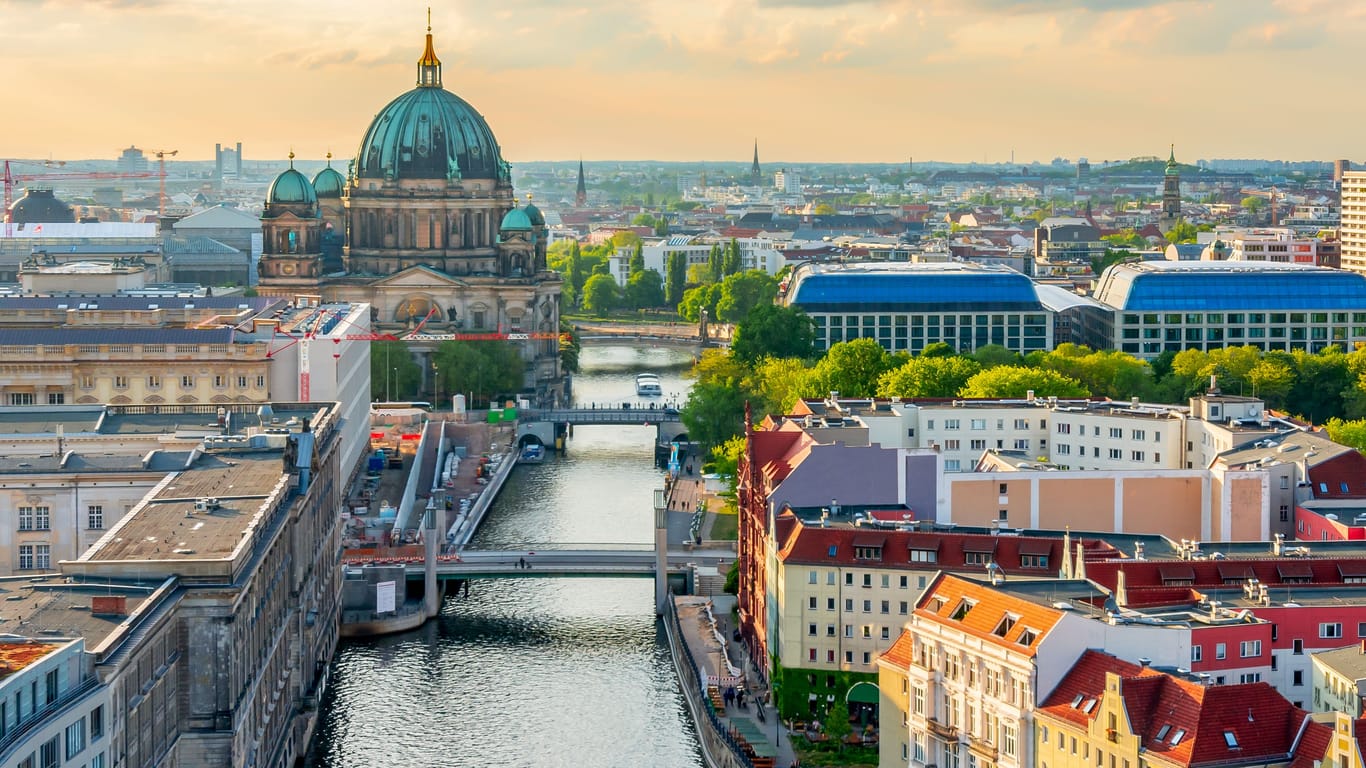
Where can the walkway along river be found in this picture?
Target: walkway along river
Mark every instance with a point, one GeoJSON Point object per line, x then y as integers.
{"type": "Point", "coordinates": [534, 672]}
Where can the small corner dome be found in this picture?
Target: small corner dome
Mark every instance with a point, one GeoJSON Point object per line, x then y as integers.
{"type": "Point", "coordinates": [329, 183]}
{"type": "Point", "coordinates": [291, 187]}
{"type": "Point", "coordinates": [516, 219]}
{"type": "Point", "coordinates": [534, 215]}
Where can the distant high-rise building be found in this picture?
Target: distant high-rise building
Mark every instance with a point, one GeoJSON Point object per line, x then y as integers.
{"type": "Point", "coordinates": [227, 161]}
{"type": "Point", "coordinates": [1171, 193]}
{"type": "Point", "coordinates": [581, 192]}
{"type": "Point", "coordinates": [755, 173]}
{"type": "Point", "coordinates": [1353, 227]}
{"type": "Point", "coordinates": [132, 161]}
{"type": "Point", "coordinates": [787, 182]}
{"type": "Point", "coordinates": [1340, 167]}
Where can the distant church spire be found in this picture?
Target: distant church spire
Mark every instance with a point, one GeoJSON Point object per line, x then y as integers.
{"type": "Point", "coordinates": [429, 66]}
{"type": "Point", "coordinates": [581, 192]}
{"type": "Point", "coordinates": [754, 170]}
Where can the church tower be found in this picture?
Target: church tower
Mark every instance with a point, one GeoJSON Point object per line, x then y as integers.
{"type": "Point", "coordinates": [291, 235]}
{"type": "Point", "coordinates": [1171, 193]}
{"type": "Point", "coordinates": [581, 192]}
{"type": "Point", "coordinates": [755, 172]}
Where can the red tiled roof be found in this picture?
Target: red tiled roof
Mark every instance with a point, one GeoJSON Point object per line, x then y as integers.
{"type": "Point", "coordinates": [1327, 479]}
{"type": "Point", "coordinates": [1261, 723]}
{"type": "Point", "coordinates": [988, 607]}
{"type": "Point", "coordinates": [900, 652]}
{"type": "Point", "coordinates": [1313, 745]}
{"type": "Point", "coordinates": [1147, 581]}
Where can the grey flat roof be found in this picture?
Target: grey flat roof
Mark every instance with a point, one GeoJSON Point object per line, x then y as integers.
{"type": "Point", "coordinates": [46, 606]}
{"type": "Point", "coordinates": [1348, 661]}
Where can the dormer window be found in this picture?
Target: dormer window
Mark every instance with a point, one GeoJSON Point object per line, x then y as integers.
{"type": "Point", "coordinates": [961, 612]}
{"type": "Point", "coordinates": [867, 553]}
{"type": "Point", "coordinates": [1027, 637]}
{"type": "Point", "coordinates": [1007, 623]}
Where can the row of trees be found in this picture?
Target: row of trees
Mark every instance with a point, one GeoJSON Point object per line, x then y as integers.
{"type": "Point", "coordinates": [771, 365]}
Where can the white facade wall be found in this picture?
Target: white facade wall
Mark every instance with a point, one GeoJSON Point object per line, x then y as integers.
{"type": "Point", "coordinates": [71, 511]}
{"type": "Point", "coordinates": [1083, 439]}
{"type": "Point", "coordinates": [69, 725]}
{"type": "Point", "coordinates": [962, 433]}
{"type": "Point", "coordinates": [1353, 229]}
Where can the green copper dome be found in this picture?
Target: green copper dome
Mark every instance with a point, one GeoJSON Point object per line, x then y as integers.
{"type": "Point", "coordinates": [328, 183]}
{"type": "Point", "coordinates": [516, 219]}
{"type": "Point", "coordinates": [429, 133]}
{"type": "Point", "coordinates": [291, 187]}
{"type": "Point", "coordinates": [534, 215]}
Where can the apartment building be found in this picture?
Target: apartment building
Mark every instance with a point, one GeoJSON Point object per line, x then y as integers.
{"type": "Point", "coordinates": [1340, 679]}
{"type": "Point", "coordinates": [1353, 228]}
{"type": "Point", "coordinates": [52, 709]}
{"type": "Point", "coordinates": [1108, 711]}
{"type": "Point", "coordinates": [841, 593]}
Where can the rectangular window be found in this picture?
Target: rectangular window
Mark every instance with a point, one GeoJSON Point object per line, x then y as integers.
{"type": "Point", "coordinates": [187, 382]}
{"type": "Point", "coordinates": [1008, 740]}
{"type": "Point", "coordinates": [1249, 648]}
{"type": "Point", "coordinates": [120, 382]}
{"type": "Point", "coordinates": [75, 739]}
{"type": "Point", "coordinates": [811, 602]}
{"type": "Point", "coordinates": [21, 398]}
{"type": "Point", "coordinates": [1197, 653]}
{"type": "Point", "coordinates": [50, 754]}
{"type": "Point", "coordinates": [241, 382]}
{"type": "Point", "coordinates": [979, 423]}
{"type": "Point", "coordinates": [1331, 630]}
{"type": "Point", "coordinates": [951, 445]}
{"type": "Point", "coordinates": [94, 517]}
{"type": "Point", "coordinates": [218, 382]}
{"type": "Point", "coordinates": [811, 629]}
{"type": "Point", "coordinates": [154, 382]}
{"type": "Point", "coordinates": [1219, 651]}
{"type": "Point", "coordinates": [56, 398]}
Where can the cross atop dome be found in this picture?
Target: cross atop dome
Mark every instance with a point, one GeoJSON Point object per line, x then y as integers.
{"type": "Point", "coordinates": [429, 66]}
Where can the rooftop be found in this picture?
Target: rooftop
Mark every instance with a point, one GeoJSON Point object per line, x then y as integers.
{"type": "Point", "coordinates": [1348, 661]}
{"type": "Point", "coordinates": [48, 606]}
{"type": "Point", "coordinates": [885, 286]}
{"type": "Point", "coordinates": [15, 656]}
{"type": "Point", "coordinates": [1182, 286]}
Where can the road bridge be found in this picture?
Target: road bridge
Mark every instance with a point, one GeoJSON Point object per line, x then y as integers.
{"type": "Point", "coordinates": [546, 425]}
{"type": "Point", "coordinates": [552, 560]}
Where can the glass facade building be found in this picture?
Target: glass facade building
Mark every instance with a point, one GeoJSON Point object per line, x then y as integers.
{"type": "Point", "coordinates": [906, 307]}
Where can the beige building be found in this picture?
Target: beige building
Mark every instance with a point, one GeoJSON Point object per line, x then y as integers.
{"type": "Point", "coordinates": [1339, 680]}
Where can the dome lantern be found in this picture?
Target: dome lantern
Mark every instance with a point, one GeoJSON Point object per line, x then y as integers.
{"type": "Point", "coordinates": [329, 183]}
{"type": "Point", "coordinates": [291, 188]}
{"type": "Point", "coordinates": [429, 66]}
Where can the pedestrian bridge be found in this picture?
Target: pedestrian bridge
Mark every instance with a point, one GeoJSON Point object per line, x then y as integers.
{"type": "Point", "coordinates": [547, 424]}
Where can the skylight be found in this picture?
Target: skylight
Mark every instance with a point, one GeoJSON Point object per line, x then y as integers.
{"type": "Point", "coordinates": [1230, 739]}
{"type": "Point", "coordinates": [1090, 705]}
{"type": "Point", "coordinates": [1178, 736]}
{"type": "Point", "coordinates": [1163, 731]}
{"type": "Point", "coordinates": [1077, 701]}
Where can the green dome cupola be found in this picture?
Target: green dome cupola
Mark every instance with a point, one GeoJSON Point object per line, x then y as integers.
{"type": "Point", "coordinates": [516, 221]}
{"type": "Point", "coordinates": [533, 213]}
{"type": "Point", "coordinates": [329, 182]}
{"type": "Point", "coordinates": [291, 188]}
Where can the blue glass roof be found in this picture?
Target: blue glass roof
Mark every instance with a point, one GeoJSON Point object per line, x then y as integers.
{"type": "Point", "coordinates": [917, 290]}
{"type": "Point", "coordinates": [1233, 290]}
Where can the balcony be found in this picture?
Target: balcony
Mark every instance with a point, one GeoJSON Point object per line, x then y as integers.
{"type": "Point", "coordinates": [942, 730]}
{"type": "Point", "coordinates": [982, 748]}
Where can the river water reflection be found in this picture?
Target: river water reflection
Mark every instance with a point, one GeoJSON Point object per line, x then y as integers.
{"type": "Point", "coordinates": [534, 672]}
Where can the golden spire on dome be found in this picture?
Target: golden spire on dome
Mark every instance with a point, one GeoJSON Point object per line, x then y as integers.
{"type": "Point", "coordinates": [291, 157]}
{"type": "Point", "coordinates": [329, 158]}
{"type": "Point", "coordinates": [429, 66]}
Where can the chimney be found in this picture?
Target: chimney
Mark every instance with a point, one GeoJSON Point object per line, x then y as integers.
{"type": "Point", "coordinates": [1363, 646]}
{"type": "Point", "coordinates": [1029, 396]}
{"type": "Point", "coordinates": [1213, 385]}
{"type": "Point", "coordinates": [1278, 545]}
{"type": "Point", "coordinates": [109, 605]}
{"type": "Point", "coordinates": [1144, 662]}
{"type": "Point", "coordinates": [1121, 588]}
{"type": "Point", "coordinates": [1138, 550]}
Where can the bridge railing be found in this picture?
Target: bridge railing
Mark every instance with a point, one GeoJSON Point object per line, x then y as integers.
{"type": "Point", "coordinates": [561, 546]}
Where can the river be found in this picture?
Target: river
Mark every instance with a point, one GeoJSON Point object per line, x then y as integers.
{"type": "Point", "coordinates": [534, 672]}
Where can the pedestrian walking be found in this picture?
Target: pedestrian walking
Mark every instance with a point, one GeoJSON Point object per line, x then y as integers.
{"type": "Point", "coordinates": [521, 562]}
{"type": "Point", "coordinates": [729, 695]}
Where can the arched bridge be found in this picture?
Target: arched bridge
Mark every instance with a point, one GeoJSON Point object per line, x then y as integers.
{"type": "Point", "coordinates": [545, 425]}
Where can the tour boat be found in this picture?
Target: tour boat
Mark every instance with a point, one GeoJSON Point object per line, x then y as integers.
{"type": "Point", "coordinates": [532, 453]}
{"type": "Point", "coordinates": [647, 385]}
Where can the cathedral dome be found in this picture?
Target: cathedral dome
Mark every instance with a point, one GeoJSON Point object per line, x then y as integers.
{"type": "Point", "coordinates": [40, 206]}
{"type": "Point", "coordinates": [516, 220]}
{"type": "Point", "coordinates": [429, 133]}
{"type": "Point", "coordinates": [328, 183]}
{"type": "Point", "coordinates": [291, 187]}
{"type": "Point", "coordinates": [533, 213]}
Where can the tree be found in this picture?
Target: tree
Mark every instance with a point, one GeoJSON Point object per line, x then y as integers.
{"type": "Point", "coordinates": [742, 292]}
{"type": "Point", "coordinates": [824, 209]}
{"type": "Point", "coordinates": [637, 263]}
{"type": "Point", "coordinates": [1253, 204]}
{"type": "Point", "coordinates": [600, 295]}
{"type": "Point", "coordinates": [853, 368]}
{"type": "Point", "coordinates": [481, 368]}
{"type": "Point", "coordinates": [645, 289]}
{"type": "Point", "coordinates": [714, 263]}
{"type": "Point", "coordinates": [662, 226]}
{"type": "Point", "coordinates": [1017, 381]}
{"type": "Point", "coordinates": [643, 219]}
{"type": "Point", "coordinates": [1126, 238]}
{"type": "Point", "coordinates": [577, 275]}
{"type": "Point", "coordinates": [938, 349]}
{"type": "Point", "coordinates": [394, 374]}
{"type": "Point", "coordinates": [675, 277]}
{"type": "Point", "coordinates": [698, 274]}
{"type": "Point", "coordinates": [1271, 380]}
{"type": "Point", "coordinates": [1182, 232]}
{"type": "Point", "coordinates": [837, 721]}
{"type": "Point", "coordinates": [1349, 433]}
{"type": "Point", "coordinates": [570, 346]}
{"type": "Point", "coordinates": [715, 411]}
{"type": "Point", "coordinates": [772, 331]}
{"type": "Point", "coordinates": [730, 260]}
{"type": "Point", "coordinates": [1323, 384]}
{"type": "Point", "coordinates": [697, 299]}
{"type": "Point", "coordinates": [928, 377]}
{"type": "Point", "coordinates": [778, 383]}
{"type": "Point", "coordinates": [992, 355]}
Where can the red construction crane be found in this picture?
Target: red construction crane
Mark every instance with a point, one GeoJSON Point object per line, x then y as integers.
{"type": "Point", "coordinates": [11, 179]}
{"type": "Point", "coordinates": [161, 155]}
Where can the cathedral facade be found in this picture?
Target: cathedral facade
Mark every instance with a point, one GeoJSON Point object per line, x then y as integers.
{"type": "Point", "coordinates": [432, 234]}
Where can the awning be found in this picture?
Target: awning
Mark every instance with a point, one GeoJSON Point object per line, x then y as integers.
{"type": "Point", "coordinates": [1036, 547]}
{"type": "Point", "coordinates": [863, 692]}
{"type": "Point", "coordinates": [981, 546]}
{"type": "Point", "coordinates": [1352, 568]}
{"type": "Point", "coordinates": [1295, 571]}
{"type": "Point", "coordinates": [870, 541]}
{"type": "Point", "coordinates": [1240, 571]}
{"type": "Point", "coordinates": [1176, 573]}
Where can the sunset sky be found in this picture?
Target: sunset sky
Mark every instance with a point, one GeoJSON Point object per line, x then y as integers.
{"type": "Point", "coordinates": [813, 80]}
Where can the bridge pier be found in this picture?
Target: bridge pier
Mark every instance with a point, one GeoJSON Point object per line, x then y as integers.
{"type": "Point", "coordinates": [661, 551]}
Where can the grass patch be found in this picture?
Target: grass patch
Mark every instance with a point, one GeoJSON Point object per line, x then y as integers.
{"type": "Point", "coordinates": [725, 526]}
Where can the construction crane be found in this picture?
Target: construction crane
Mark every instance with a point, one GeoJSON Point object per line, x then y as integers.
{"type": "Point", "coordinates": [12, 179]}
{"type": "Point", "coordinates": [161, 155]}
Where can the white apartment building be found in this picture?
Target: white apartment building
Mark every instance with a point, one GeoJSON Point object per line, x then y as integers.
{"type": "Point", "coordinates": [755, 253]}
{"type": "Point", "coordinates": [1353, 228]}
{"type": "Point", "coordinates": [1281, 245]}
{"type": "Point", "coordinates": [53, 711]}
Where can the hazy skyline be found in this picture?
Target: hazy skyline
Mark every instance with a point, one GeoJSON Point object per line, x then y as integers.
{"type": "Point", "coordinates": [814, 81]}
